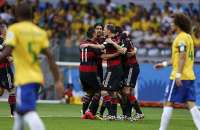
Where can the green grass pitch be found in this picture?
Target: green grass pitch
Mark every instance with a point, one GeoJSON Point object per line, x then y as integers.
{"type": "Point", "coordinates": [67, 117]}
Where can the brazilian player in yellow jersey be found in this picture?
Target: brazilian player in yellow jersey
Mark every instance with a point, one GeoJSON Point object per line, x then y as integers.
{"type": "Point", "coordinates": [26, 41]}
{"type": "Point", "coordinates": [181, 87]}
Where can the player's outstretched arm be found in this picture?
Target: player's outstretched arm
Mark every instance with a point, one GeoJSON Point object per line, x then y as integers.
{"type": "Point", "coordinates": [96, 46]}
{"type": "Point", "coordinates": [6, 52]}
{"type": "Point", "coordinates": [118, 47]}
{"type": "Point", "coordinates": [109, 56]}
{"type": "Point", "coordinates": [57, 77]}
{"type": "Point", "coordinates": [162, 64]}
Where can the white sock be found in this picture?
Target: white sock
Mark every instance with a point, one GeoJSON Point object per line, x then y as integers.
{"type": "Point", "coordinates": [19, 123]}
{"type": "Point", "coordinates": [33, 120]}
{"type": "Point", "coordinates": [196, 116]}
{"type": "Point", "coordinates": [166, 116]}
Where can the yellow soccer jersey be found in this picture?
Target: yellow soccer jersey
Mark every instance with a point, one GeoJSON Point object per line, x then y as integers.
{"type": "Point", "coordinates": [28, 40]}
{"type": "Point", "coordinates": [186, 40]}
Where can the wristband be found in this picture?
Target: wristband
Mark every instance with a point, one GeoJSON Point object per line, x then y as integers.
{"type": "Point", "coordinates": [178, 75]}
{"type": "Point", "coordinates": [164, 63]}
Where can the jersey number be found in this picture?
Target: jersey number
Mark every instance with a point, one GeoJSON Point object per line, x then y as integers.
{"type": "Point", "coordinates": [84, 54]}
{"type": "Point", "coordinates": [31, 51]}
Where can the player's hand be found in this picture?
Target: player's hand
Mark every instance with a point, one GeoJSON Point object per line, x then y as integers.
{"type": "Point", "coordinates": [84, 45]}
{"type": "Point", "coordinates": [158, 66]}
{"type": "Point", "coordinates": [122, 50]}
{"type": "Point", "coordinates": [59, 89]}
{"type": "Point", "coordinates": [109, 40]}
{"type": "Point", "coordinates": [178, 82]}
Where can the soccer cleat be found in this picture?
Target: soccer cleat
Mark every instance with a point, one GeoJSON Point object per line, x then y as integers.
{"type": "Point", "coordinates": [84, 116]}
{"type": "Point", "coordinates": [110, 118]}
{"type": "Point", "coordinates": [99, 117]}
{"type": "Point", "coordinates": [137, 117]}
{"type": "Point", "coordinates": [122, 118]}
{"type": "Point", "coordinates": [11, 116]}
{"type": "Point", "coordinates": [89, 115]}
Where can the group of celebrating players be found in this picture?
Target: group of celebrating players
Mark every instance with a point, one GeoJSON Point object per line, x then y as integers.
{"type": "Point", "coordinates": [26, 41]}
{"type": "Point", "coordinates": [114, 45]}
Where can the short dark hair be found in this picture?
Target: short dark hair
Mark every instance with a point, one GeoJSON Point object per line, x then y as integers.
{"type": "Point", "coordinates": [23, 10]}
{"type": "Point", "coordinates": [98, 24]}
{"type": "Point", "coordinates": [118, 29]}
{"type": "Point", "coordinates": [90, 32]}
{"type": "Point", "coordinates": [111, 28]}
{"type": "Point", "coordinates": [183, 22]}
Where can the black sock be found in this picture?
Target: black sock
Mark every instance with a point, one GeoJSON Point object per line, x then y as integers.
{"type": "Point", "coordinates": [86, 102]}
{"type": "Point", "coordinates": [107, 100]}
{"type": "Point", "coordinates": [129, 107]}
{"type": "Point", "coordinates": [94, 104]}
{"type": "Point", "coordinates": [137, 107]}
{"type": "Point", "coordinates": [114, 106]}
{"type": "Point", "coordinates": [12, 102]}
{"type": "Point", "coordinates": [102, 109]}
{"type": "Point", "coordinates": [12, 108]}
{"type": "Point", "coordinates": [123, 106]}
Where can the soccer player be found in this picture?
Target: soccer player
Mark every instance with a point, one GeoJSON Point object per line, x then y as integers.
{"type": "Point", "coordinates": [26, 41]}
{"type": "Point", "coordinates": [89, 75]}
{"type": "Point", "coordinates": [112, 81]}
{"type": "Point", "coordinates": [131, 71]}
{"type": "Point", "coordinates": [113, 76]}
{"type": "Point", "coordinates": [6, 73]}
{"type": "Point", "coordinates": [181, 87]}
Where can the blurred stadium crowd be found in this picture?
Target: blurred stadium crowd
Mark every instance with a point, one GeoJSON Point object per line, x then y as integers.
{"type": "Point", "coordinates": [66, 23]}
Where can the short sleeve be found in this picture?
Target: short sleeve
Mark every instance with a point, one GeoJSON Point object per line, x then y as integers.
{"type": "Point", "coordinates": [10, 37]}
{"type": "Point", "coordinates": [182, 45]}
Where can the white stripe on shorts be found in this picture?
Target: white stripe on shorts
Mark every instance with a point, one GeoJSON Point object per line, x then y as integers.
{"type": "Point", "coordinates": [107, 79]}
{"type": "Point", "coordinates": [170, 93]}
{"type": "Point", "coordinates": [129, 76]}
{"type": "Point", "coordinates": [18, 96]}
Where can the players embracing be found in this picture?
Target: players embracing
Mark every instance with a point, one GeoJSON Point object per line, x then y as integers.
{"type": "Point", "coordinates": [121, 73]}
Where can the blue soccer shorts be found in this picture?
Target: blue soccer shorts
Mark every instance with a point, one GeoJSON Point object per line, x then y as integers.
{"type": "Point", "coordinates": [27, 96]}
{"type": "Point", "coordinates": [180, 94]}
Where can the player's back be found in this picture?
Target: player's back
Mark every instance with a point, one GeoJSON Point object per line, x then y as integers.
{"type": "Point", "coordinates": [28, 41]}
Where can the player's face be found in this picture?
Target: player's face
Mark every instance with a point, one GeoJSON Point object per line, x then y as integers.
{"type": "Point", "coordinates": [106, 31]}
{"type": "Point", "coordinates": [99, 30]}
{"type": "Point", "coordinates": [173, 27]}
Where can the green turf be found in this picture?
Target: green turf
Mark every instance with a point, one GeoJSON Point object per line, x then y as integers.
{"type": "Point", "coordinates": [67, 117]}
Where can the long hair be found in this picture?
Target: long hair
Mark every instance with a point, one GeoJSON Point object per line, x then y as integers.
{"type": "Point", "coordinates": [183, 22]}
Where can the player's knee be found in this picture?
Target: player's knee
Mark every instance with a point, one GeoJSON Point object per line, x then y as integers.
{"type": "Point", "coordinates": [1, 91]}
{"type": "Point", "coordinates": [96, 96]}
{"type": "Point", "coordinates": [86, 98]}
{"type": "Point", "coordinates": [126, 91]}
{"type": "Point", "coordinates": [104, 93]}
